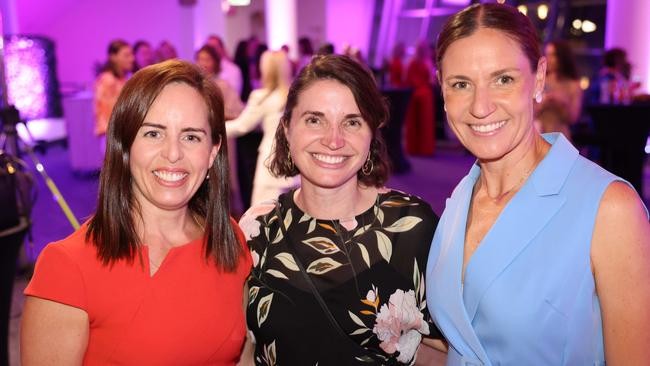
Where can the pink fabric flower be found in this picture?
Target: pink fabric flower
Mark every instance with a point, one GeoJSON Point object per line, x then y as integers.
{"type": "Point", "coordinates": [249, 224]}
{"type": "Point", "coordinates": [400, 325]}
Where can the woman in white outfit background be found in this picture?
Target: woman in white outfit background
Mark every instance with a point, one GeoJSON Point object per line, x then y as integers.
{"type": "Point", "coordinates": [265, 107]}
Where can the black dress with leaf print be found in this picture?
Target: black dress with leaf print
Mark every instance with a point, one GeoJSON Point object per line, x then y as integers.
{"type": "Point", "coordinates": [369, 270]}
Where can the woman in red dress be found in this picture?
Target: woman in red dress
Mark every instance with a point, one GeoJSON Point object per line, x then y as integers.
{"type": "Point", "coordinates": [420, 124]}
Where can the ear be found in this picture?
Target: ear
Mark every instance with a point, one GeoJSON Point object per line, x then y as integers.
{"type": "Point", "coordinates": [540, 76]}
{"type": "Point", "coordinates": [213, 153]}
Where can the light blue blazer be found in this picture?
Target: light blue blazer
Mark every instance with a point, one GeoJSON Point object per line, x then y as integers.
{"type": "Point", "coordinates": [529, 296]}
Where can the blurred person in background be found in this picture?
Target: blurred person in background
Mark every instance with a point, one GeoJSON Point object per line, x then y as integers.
{"type": "Point", "coordinates": [156, 276]}
{"type": "Point", "coordinates": [109, 84]}
{"type": "Point", "coordinates": [165, 51]}
{"type": "Point", "coordinates": [143, 55]}
{"type": "Point", "coordinates": [419, 122]}
{"type": "Point", "coordinates": [305, 52]}
{"type": "Point", "coordinates": [229, 71]}
{"type": "Point", "coordinates": [562, 99]}
{"type": "Point", "coordinates": [396, 66]}
{"type": "Point", "coordinates": [265, 107]}
{"type": "Point", "coordinates": [210, 62]}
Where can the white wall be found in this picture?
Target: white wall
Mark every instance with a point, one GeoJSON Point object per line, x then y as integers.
{"type": "Point", "coordinates": [82, 29]}
{"type": "Point", "coordinates": [349, 22]}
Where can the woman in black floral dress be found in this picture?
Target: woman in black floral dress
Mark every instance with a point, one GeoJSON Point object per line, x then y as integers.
{"type": "Point", "coordinates": [339, 264]}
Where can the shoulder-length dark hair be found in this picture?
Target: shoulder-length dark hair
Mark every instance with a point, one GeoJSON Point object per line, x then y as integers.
{"type": "Point", "coordinates": [113, 48]}
{"type": "Point", "coordinates": [501, 17]}
{"type": "Point", "coordinates": [112, 229]}
{"type": "Point", "coordinates": [371, 103]}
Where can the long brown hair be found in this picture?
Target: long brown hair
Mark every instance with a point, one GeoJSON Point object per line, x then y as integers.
{"type": "Point", "coordinates": [371, 103]}
{"type": "Point", "coordinates": [501, 17]}
{"type": "Point", "coordinates": [112, 228]}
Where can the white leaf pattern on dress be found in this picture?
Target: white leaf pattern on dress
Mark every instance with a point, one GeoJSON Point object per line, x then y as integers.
{"type": "Point", "coordinates": [288, 261]}
{"type": "Point", "coordinates": [404, 224]}
{"type": "Point", "coordinates": [384, 245]}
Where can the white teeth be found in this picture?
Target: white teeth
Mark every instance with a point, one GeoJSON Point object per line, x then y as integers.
{"type": "Point", "coordinates": [329, 159]}
{"type": "Point", "coordinates": [169, 176]}
{"type": "Point", "coordinates": [488, 128]}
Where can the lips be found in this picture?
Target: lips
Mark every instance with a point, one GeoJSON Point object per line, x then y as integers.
{"type": "Point", "coordinates": [330, 159]}
{"type": "Point", "coordinates": [487, 128]}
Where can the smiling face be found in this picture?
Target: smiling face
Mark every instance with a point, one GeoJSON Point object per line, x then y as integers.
{"type": "Point", "coordinates": [328, 139]}
{"type": "Point", "coordinates": [172, 151]}
{"type": "Point", "coordinates": [489, 88]}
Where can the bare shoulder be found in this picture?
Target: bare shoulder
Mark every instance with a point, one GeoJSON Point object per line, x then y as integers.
{"type": "Point", "coordinates": [621, 222]}
{"type": "Point", "coordinates": [620, 255]}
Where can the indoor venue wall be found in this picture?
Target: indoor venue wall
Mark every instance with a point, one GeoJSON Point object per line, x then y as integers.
{"type": "Point", "coordinates": [82, 29]}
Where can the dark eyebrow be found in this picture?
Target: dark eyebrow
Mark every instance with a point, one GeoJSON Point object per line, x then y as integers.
{"type": "Point", "coordinates": [315, 113]}
{"type": "Point", "coordinates": [186, 129]}
{"type": "Point", "coordinates": [492, 74]}
{"type": "Point", "coordinates": [353, 115]}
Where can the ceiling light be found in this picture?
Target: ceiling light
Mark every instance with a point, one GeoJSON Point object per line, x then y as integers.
{"type": "Point", "coordinates": [542, 11]}
{"type": "Point", "coordinates": [588, 26]}
{"type": "Point", "coordinates": [577, 24]}
{"type": "Point", "coordinates": [523, 9]}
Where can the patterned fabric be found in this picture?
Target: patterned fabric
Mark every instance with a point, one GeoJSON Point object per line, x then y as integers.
{"type": "Point", "coordinates": [369, 270]}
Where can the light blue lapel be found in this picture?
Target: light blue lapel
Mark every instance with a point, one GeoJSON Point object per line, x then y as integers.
{"type": "Point", "coordinates": [520, 221]}
{"type": "Point", "coordinates": [446, 273]}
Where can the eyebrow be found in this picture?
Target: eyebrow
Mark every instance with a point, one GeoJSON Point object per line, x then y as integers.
{"type": "Point", "coordinates": [186, 129]}
{"type": "Point", "coordinates": [321, 114]}
{"type": "Point", "coordinates": [492, 74]}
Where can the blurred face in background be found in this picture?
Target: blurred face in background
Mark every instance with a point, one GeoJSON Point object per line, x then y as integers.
{"type": "Point", "coordinates": [144, 56]}
{"type": "Point", "coordinates": [205, 62]}
{"type": "Point", "coordinates": [123, 59]}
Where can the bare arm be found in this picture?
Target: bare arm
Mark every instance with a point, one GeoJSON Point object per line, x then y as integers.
{"type": "Point", "coordinates": [620, 256]}
{"type": "Point", "coordinates": [52, 333]}
{"type": "Point", "coordinates": [432, 352]}
{"type": "Point", "coordinates": [249, 118]}
{"type": "Point", "coordinates": [247, 357]}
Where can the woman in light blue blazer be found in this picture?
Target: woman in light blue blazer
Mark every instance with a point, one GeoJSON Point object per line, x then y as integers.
{"type": "Point", "coordinates": [541, 257]}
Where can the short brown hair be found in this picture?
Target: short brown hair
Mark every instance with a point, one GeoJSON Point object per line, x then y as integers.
{"type": "Point", "coordinates": [371, 103]}
{"type": "Point", "coordinates": [501, 17]}
{"type": "Point", "coordinates": [111, 228]}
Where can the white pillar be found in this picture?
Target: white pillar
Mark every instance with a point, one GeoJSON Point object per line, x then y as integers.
{"type": "Point", "coordinates": [281, 25]}
{"type": "Point", "coordinates": [628, 27]}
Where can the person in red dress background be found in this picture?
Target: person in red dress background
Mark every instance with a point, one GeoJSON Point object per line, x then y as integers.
{"type": "Point", "coordinates": [419, 123]}
{"type": "Point", "coordinates": [156, 276]}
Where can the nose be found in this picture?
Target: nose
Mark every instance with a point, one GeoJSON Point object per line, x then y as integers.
{"type": "Point", "coordinates": [482, 105]}
{"type": "Point", "coordinates": [172, 150]}
{"type": "Point", "coordinates": [333, 137]}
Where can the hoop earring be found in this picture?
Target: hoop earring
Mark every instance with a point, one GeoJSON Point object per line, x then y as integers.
{"type": "Point", "coordinates": [368, 166]}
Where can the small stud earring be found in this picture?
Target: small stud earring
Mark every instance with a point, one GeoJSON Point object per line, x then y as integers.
{"type": "Point", "coordinates": [538, 97]}
{"type": "Point", "coordinates": [207, 176]}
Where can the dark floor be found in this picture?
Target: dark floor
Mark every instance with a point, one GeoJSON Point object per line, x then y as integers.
{"type": "Point", "coordinates": [431, 178]}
